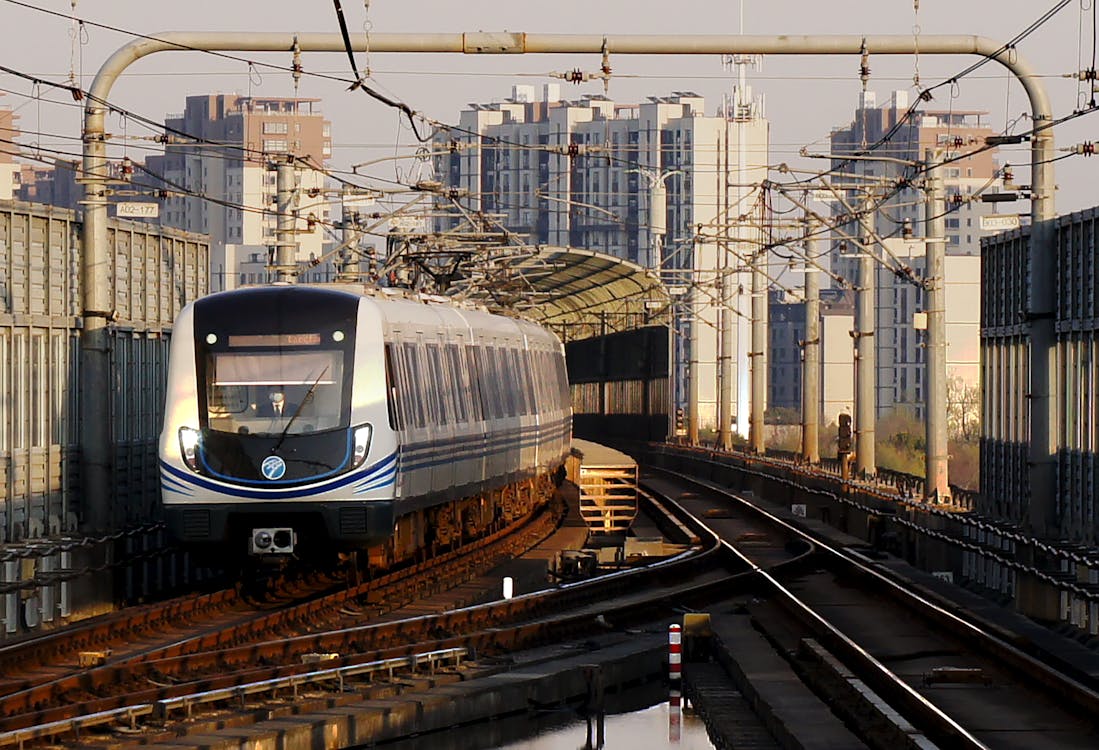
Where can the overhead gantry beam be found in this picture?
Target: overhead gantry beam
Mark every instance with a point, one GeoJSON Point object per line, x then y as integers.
{"type": "Point", "coordinates": [95, 351]}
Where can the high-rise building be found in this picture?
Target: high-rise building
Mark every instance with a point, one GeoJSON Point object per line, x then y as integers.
{"type": "Point", "coordinates": [899, 339]}
{"type": "Point", "coordinates": [223, 183]}
{"type": "Point", "coordinates": [659, 183]}
{"type": "Point", "coordinates": [837, 364]}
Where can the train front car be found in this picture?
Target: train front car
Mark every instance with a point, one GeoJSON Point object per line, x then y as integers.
{"type": "Point", "coordinates": [276, 438]}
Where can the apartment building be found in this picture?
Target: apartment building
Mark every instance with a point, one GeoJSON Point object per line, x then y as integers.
{"type": "Point", "coordinates": [876, 172]}
{"type": "Point", "coordinates": [660, 183]}
{"type": "Point", "coordinates": [218, 170]}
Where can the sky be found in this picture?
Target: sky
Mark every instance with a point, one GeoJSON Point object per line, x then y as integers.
{"type": "Point", "coordinates": [805, 96]}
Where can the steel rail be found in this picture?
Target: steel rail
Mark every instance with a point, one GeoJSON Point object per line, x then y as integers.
{"type": "Point", "coordinates": [501, 626]}
{"type": "Point", "coordinates": [1083, 696]}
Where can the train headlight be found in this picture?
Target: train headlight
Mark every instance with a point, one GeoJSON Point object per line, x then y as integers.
{"type": "Point", "coordinates": [361, 446]}
{"type": "Point", "coordinates": [262, 539]}
{"type": "Point", "coordinates": [189, 440]}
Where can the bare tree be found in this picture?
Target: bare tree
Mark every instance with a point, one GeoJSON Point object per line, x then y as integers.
{"type": "Point", "coordinates": [963, 410]}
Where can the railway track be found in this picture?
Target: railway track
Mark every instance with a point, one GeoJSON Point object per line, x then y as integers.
{"type": "Point", "coordinates": [896, 665]}
{"type": "Point", "coordinates": [214, 663]}
{"type": "Point", "coordinates": [213, 640]}
{"type": "Point", "coordinates": [845, 628]}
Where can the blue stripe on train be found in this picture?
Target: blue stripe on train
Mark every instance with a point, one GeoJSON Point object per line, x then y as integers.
{"type": "Point", "coordinates": [377, 470]}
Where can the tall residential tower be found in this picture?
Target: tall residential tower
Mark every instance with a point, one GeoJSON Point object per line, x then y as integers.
{"type": "Point", "coordinates": [659, 183]}
{"type": "Point", "coordinates": [221, 184]}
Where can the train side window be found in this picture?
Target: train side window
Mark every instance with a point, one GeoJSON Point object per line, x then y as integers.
{"type": "Point", "coordinates": [506, 379]}
{"type": "Point", "coordinates": [493, 400]}
{"type": "Point", "coordinates": [405, 402]}
{"type": "Point", "coordinates": [515, 367]}
{"type": "Point", "coordinates": [461, 382]}
{"type": "Point", "coordinates": [444, 384]}
{"type": "Point", "coordinates": [540, 372]}
{"type": "Point", "coordinates": [522, 384]}
{"type": "Point", "coordinates": [522, 359]}
{"type": "Point", "coordinates": [548, 376]}
{"type": "Point", "coordinates": [493, 387]}
{"type": "Point", "coordinates": [475, 384]}
{"type": "Point", "coordinates": [530, 371]}
{"type": "Point", "coordinates": [562, 381]}
{"type": "Point", "coordinates": [428, 379]}
{"type": "Point", "coordinates": [501, 394]}
{"type": "Point", "coordinates": [391, 389]}
{"type": "Point", "coordinates": [414, 372]}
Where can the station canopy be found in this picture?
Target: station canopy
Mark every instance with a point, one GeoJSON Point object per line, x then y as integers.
{"type": "Point", "coordinates": [577, 292]}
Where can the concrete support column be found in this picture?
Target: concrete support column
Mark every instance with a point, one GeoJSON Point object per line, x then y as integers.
{"type": "Point", "coordinates": [865, 355]}
{"type": "Point", "coordinates": [286, 224]}
{"type": "Point", "coordinates": [810, 371]}
{"type": "Point", "coordinates": [726, 384]}
{"type": "Point", "coordinates": [96, 436]}
{"type": "Point", "coordinates": [758, 355]}
{"type": "Point", "coordinates": [692, 369]}
{"type": "Point", "coordinates": [936, 484]}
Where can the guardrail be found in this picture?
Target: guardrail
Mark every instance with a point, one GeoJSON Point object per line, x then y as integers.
{"type": "Point", "coordinates": [161, 710]}
{"type": "Point", "coordinates": [433, 660]}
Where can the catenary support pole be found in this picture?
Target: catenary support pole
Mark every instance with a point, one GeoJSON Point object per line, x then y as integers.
{"type": "Point", "coordinates": [865, 355]}
{"type": "Point", "coordinates": [758, 355]}
{"type": "Point", "coordinates": [810, 374]}
{"type": "Point", "coordinates": [286, 200]}
{"type": "Point", "coordinates": [936, 484]}
{"type": "Point", "coordinates": [97, 308]}
{"type": "Point", "coordinates": [693, 326]}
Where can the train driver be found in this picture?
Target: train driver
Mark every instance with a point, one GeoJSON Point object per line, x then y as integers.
{"type": "Point", "coordinates": [276, 405]}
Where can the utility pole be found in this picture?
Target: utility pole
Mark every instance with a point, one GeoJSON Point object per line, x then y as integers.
{"type": "Point", "coordinates": [810, 373]}
{"type": "Point", "coordinates": [865, 356]}
{"type": "Point", "coordinates": [286, 205]}
{"type": "Point", "coordinates": [936, 484]}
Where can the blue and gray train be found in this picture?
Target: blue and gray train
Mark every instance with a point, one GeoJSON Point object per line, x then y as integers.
{"type": "Point", "coordinates": [304, 420]}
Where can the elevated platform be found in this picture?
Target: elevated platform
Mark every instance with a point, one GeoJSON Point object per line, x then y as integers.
{"type": "Point", "coordinates": [608, 488]}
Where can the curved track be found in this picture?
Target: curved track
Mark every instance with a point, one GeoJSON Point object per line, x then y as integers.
{"type": "Point", "coordinates": [844, 623]}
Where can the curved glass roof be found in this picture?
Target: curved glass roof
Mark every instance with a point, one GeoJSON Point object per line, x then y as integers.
{"type": "Point", "coordinates": [578, 292]}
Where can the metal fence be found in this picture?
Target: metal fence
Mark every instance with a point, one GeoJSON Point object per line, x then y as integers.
{"type": "Point", "coordinates": [1005, 362]}
{"type": "Point", "coordinates": [620, 386]}
{"type": "Point", "coordinates": [154, 272]}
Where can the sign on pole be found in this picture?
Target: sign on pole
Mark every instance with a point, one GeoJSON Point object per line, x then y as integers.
{"type": "Point", "coordinates": [131, 210]}
{"type": "Point", "coordinates": [999, 222]}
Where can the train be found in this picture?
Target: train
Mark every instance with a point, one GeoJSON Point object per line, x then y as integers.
{"type": "Point", "coordinates": [304, 420]}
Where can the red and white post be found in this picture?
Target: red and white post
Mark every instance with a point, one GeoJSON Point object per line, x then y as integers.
{"type": "Point", "coordinates": [675, 666]}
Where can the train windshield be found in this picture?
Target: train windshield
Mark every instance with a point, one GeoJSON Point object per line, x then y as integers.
{"type": "Point", "coordinates": [272, 392]}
